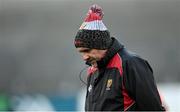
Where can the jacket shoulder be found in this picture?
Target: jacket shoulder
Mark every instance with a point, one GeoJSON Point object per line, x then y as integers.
{"type": "Point", "coordinates": [129, 56]}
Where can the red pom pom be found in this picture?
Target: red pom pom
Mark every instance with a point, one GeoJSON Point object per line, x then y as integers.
{"type": "Point", "coordinates": [95, 13]}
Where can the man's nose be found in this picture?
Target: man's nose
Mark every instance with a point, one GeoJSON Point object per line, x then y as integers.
{"type": "Point", "coordinates": [85, 57]}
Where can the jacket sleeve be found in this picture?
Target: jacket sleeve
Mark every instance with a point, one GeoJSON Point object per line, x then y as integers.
{"type": "Point", "coordinates": [140, 84]}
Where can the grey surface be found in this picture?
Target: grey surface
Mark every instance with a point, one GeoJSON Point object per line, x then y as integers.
{"type": "Point", "coordinates": [37, 54]}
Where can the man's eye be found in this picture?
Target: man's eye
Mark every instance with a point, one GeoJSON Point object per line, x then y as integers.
{"type": "Point", "coordinates": [87, 50]}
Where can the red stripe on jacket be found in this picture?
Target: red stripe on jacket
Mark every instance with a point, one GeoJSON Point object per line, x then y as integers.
{"type": "Point", "coordinates": [116, 62]}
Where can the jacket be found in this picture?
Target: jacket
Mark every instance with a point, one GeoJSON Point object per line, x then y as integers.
{"type": "Point", "coordinates": [123, 81]}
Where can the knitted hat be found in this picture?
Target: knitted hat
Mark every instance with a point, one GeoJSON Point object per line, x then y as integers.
{"type": "Point", "coordinates": [93, 33]}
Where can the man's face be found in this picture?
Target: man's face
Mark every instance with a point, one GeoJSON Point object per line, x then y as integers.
{"type": "Point", "coordinates": [91, 55]}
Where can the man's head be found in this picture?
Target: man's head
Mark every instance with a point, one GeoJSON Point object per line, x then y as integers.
{"type": "Point", "coordinates": [93, 35]}
{"type": "Point", "coordinates": [91, 56]}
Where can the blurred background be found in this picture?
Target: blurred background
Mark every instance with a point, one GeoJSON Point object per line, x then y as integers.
{"type": "Point", "coordinates": [39, 65]}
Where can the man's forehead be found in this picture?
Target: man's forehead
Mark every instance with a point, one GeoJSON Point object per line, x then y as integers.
{"type": "Point", "coordinates": [82, 48]}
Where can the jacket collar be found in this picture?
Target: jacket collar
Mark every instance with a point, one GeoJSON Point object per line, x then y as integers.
{"type": "Point", "coordinates": [115, 47]}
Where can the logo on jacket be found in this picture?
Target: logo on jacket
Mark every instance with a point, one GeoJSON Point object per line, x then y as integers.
{"type": "Point", "coordinates": [109, 84]}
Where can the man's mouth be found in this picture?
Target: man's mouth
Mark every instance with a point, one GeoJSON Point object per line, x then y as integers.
{"type": "Point", "coordinates": [90, 61]}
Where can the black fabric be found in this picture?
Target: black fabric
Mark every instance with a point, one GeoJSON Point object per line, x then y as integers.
{"type": "Point", "coordinates": [100, 98]}
{"type": "Point", "coordinates": [137, 78]}
{"type": "Point", "coordinates": [141, 85]}
{"type": "Point", "coordinates": [93, 39]}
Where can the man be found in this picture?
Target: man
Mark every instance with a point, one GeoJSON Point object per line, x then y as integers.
{"type": "Point", "coordinates": [117, 79]}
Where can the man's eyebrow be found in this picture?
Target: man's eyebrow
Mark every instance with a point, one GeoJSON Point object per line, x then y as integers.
{"type": "Point", "coordinates": [84, 50]}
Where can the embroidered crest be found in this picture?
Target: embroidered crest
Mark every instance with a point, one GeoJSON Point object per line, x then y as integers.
{"type": "Point", "coordinates": [109, 84]}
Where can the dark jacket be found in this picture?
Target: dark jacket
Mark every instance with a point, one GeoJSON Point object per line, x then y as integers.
{"type": "Point", "coordinates": [123, 81]}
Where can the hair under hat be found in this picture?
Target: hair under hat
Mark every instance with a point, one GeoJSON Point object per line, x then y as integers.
{"type": "Point", "coordinates": [93, 33]}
